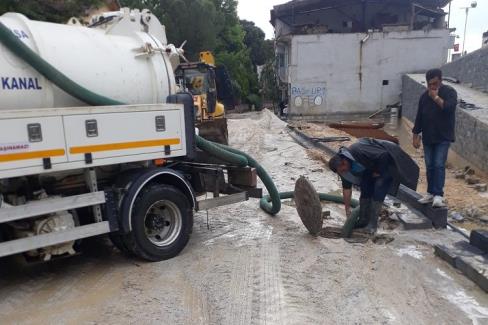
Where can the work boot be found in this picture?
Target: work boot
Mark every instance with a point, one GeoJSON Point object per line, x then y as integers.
{"type": "Point", "coordinates": [372, 226]}
{"type": "Point", "coordinates": [364, 213]}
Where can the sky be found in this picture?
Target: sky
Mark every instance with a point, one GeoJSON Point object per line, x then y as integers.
{"type": "Point", "coordinates": [258, 11]}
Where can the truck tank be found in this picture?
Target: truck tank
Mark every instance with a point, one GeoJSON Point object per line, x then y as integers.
{"type": "Point", "coordinates": [123, 55]}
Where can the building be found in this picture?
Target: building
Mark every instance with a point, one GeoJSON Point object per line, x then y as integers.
{"type": "Point", "coordinates": [485, 39]}
{"type": "Point", "coordinates": [337, 56]}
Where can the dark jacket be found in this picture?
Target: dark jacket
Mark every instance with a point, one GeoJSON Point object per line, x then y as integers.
{"type": "Point", "coordinates": [383, 156]}
{"type": "Point", "coordinates": [435, 123]}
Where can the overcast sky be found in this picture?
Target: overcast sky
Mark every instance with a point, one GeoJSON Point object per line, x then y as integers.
{"type": "Point", "coordinates": [258, 11]}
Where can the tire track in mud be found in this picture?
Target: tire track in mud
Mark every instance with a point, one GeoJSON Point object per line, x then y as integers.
{"type": "Point", "coordinates": [196, 304]}
{"type": "Point", "coordinates": [268, 292]}
{"type": "Point", "coordinates": [239, 310]}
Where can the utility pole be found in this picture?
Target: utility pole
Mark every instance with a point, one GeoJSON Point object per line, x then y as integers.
{"type": "Point", "coordinates": [448, 27]}
{"type": "Point", "coordinates": [474, 4]}
{"type": "Point", "coordinates": [449, 16]}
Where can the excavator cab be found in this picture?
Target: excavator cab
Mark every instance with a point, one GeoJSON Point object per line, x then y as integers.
{"type": "Point", "coordinates": [212, 93]}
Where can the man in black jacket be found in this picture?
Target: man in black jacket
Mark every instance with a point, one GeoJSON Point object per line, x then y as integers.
{"type": "Point", "coordinates": [378, 167]}
{"type": "Point", "coordinates": [436, 121]}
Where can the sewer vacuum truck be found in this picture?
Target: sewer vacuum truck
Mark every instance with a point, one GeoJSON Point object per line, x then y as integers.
{"type": "Point", "coordinates": [96, 139]}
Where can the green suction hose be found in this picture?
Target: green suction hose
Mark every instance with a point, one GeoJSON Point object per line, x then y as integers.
{"type": "Point", "coordinates": [223, 154]}
{"type": "Point", "coordinates": [275, 205]}
{"type": "Point", "coordinates": [270, 203]}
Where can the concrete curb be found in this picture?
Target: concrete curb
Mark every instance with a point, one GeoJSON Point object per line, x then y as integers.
{"type": "Point", "coordinates": [416, 222]}
{"type": "Point", "coordinates": [438, 216]}
{"type": "Point", "coordinates": [306, 142]}
{"type": "Point", "coordinates": [471, 261]}
{"type": "Point", "coordinates": [479, 239]}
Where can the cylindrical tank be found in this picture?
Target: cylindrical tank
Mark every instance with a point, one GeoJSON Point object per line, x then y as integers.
{"type": "Point", "coordinates": [125, 57]}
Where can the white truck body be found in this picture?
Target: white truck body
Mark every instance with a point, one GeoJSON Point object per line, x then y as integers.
{"type": "Point", "coordinates": [126, 59]}
{"type": "Point", "coordinates": [121, 134]}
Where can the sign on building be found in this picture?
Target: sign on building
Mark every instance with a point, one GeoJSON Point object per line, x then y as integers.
{"type": "Point", "coordinates": [307, 96]}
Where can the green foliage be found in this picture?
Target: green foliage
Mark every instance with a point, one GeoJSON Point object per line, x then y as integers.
{"type": "Point", "coordinates": [269, 82]}
{"type": "Point", "coordinates": [185, 20]}
{"type": "Point", "coordinates": [255, 100]}
{"type": "Point", "coordinates": [238, 64]}
{"type": "Point", "coordinates": [48, 10]}
{"type": "Point", "coordinates": [255, 41]}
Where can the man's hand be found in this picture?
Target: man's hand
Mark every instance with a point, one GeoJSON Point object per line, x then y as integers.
{"type": "Point", "coordinates": [348, 211]}
{"type": "Point", "coordinates": [416, 141]}
{"type": "Point", "coordinates": [433, 93]}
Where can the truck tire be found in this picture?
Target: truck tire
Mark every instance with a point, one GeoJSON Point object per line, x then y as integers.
{"type": "Point", "coordinates": [161, 223]}
{"type": "Point", "coordinates": [118, 240]}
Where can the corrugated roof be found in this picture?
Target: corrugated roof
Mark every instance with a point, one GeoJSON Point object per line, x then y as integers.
{"type": "Point", "coordinates": [311, 5]}
{"type": "Point", "coordinates": [300, 3]}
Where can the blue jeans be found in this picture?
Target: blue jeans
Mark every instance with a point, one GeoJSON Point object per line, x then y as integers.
{"type": "Point", "coordinates": [435, 162]}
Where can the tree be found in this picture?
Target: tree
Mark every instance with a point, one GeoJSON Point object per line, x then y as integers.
{"type": "Point", "coordinates": [49, 10]}
{"type": "Point", "coordinates": [269, 82]}
{"type": "Point", "coordinates": [185, 20]}
{"type": "Point", "coordinates": [255, 41]}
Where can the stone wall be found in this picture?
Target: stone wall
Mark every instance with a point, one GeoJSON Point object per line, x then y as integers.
{"type": "Point", "coordinates": [470, 69]}
{"type": "Point", "coordinates": [411, 92]}
{"type": "Point", "coordinates": [471, 131]}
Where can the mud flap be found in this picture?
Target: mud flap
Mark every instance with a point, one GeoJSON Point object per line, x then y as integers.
{"type": "Point", "coordinates": [214, 130]}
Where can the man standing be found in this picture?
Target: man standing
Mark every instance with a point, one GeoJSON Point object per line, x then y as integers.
{"type": "Point", "coordinates": [436, 120]}
{"type": "Point", "coordinates": [378, 167]}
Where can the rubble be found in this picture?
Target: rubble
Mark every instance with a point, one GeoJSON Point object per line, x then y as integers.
{"type": "Point", "coordinates": [471, 180]}
{"type": "Point", "coordinates": [481, 187]}
{"type": "Point", "coordinates": [454, 215]}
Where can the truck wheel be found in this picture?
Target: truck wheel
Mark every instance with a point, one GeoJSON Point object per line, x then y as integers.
{"type": "Point", "coordinates": [118, 240]}
{"type": "Point", "coordinates": [161, 223]}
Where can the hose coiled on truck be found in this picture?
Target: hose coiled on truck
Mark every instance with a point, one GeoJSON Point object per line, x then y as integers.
{"type": "Point", "coordinates": [270, 203]}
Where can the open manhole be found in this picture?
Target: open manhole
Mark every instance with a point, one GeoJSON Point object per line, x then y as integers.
{"type": "Point", "coordinates": [309, 209]}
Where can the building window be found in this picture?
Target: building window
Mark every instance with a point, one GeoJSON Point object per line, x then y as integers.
{"type": "Point", "coordinates": [281, 60]}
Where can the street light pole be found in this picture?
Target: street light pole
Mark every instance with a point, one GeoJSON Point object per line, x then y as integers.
{"type": "Point", "coordinates": [474, 4]}
{"type": "Point", "coordinates": [465, 25]}
{"type": "Point", "coordinates": [449, 17]}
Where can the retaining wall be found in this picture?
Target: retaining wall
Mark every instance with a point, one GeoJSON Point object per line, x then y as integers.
{"type": "Point", "coordinates": [470, 69]}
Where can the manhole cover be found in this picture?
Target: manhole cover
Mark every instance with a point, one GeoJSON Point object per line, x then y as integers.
{"type": "Point", "coordinates": [308, 206]}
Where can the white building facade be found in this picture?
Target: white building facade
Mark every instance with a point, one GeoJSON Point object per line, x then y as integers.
{"type": "Point", "coordinates": [326, 73]}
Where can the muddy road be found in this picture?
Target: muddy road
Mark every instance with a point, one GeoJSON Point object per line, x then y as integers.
{"type": "Point", "coordinates": [245, 267]}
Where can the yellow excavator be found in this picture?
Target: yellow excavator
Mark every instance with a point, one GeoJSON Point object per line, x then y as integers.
{"type": "Point", "coordinates": [211, 88]}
